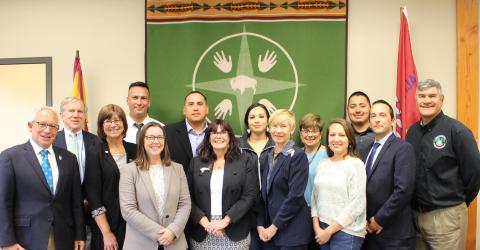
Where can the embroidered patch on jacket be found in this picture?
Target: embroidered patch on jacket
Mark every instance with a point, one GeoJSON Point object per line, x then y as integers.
{"type": "Point", "coordinates": [440, 141]}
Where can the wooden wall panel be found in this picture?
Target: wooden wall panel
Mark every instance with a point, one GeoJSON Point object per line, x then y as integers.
{"type": "Point", "coordinates": [467, 84]}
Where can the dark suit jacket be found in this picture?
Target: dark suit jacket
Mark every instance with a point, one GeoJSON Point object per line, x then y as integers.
{"type": "Point", "coordinates": [284, 205]}
{"type": "Point", "coordinates": [28, 209]}
{"type": "Point", "coordinates": [101, 183]}
{"type": "Point", "coordinates": [240, 189]}
{"type": "Point", "coordinates": [179, 143]}
{"type": "Point", "coordinates": [390, 186]}
{"type": "Point", "coordinates": [89, 141]}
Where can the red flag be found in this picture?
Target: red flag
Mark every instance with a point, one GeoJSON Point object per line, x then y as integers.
{"type": "Point", "coordinates": [78, 89]}
{"type": "Point", "coordinates": [406, 112]}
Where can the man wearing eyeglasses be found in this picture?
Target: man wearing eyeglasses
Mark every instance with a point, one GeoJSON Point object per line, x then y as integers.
{"type": "Point", "coordinates": [73, 138]}
{"type": "Point", "coordinates": [40, 193]}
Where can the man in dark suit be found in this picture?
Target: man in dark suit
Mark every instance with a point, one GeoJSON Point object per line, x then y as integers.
{"type": "Point", "coordinates": [390, 167]}
{"type": "Point", "coordinates": [73, 138]}
{"type": "Point", "coordinates": [185, 136]}
{"type": "Point", "coordinates": [40, 193]}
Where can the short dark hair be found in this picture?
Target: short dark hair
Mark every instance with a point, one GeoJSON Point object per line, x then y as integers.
{"type": "Point", "coordinates": [105, 113]}
{"type": "Point", "coordinates": [359, 93]}
{"type": "Point", "coordinates": [139, 84]}
{"type": "Point", "coordinates": [195, 92]}
{"type": "Point", "coordinates": [347, 127]}
{"type": "Point", "coordinates": [386, 103]}
{"type": "Point", "coordinates": [205, 150]}
{"type": "Point", "coordinates": [142, 160]}
{"type": "Point", "coordinates": [247, 113]}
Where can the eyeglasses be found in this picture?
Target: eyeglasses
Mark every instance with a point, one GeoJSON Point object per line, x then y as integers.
{"type": "Point", "coordinates": [44, 125]}
{"type": "Point", "coordinates": [224, 132]}
{"type": "Point", "coordinates": [151, 138]}
{"type": "Point", "coordinates": [309, 131]}
{"type": "Point", "coordinates": [112, 122]}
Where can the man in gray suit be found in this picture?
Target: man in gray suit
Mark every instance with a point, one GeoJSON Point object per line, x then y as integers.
{"type": "Point", "coordinates": [40, 193]}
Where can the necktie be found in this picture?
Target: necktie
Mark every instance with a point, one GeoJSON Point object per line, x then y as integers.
{"type": "Point", "coordinates": [139, 128]}
{"type": "Point", "coordinates": [47, 169]}
{"type": "Point", "coordinates": [370, 158]}
{"type": "Point", "coordinates": [73, 147]}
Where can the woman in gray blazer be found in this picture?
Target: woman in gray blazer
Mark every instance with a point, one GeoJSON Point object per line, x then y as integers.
{"type": "Point", "coordinates": [154, 195]}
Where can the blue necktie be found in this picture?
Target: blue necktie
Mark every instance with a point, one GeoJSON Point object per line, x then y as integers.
{"type": "Point", "coordinates": [47, 169]}
{"type": "Point", "coordinates": [370, 158]}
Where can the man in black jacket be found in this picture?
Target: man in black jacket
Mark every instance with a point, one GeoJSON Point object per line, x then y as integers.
{"type": "Point", "coordinates": [448, 172]}
{"type": "Point", "coordinates": [185, 136]}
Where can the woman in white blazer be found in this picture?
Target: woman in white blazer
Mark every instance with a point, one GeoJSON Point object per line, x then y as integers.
{"type": "Point", "coordinates": [154, 196]}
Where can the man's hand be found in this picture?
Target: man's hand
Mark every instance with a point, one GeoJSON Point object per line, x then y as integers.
{"type": "Point", "coordinates": [78, 245]}
{"type": "Point", "coordinates": [373, 226]}
{"type": "Point", "coordinates": [14, 247]}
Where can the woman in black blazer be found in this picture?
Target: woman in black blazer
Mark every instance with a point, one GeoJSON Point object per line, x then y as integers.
{"type": "Point", "coordinates": [223, 186]}
{"type": "Point", "coordinates": [102, 175]}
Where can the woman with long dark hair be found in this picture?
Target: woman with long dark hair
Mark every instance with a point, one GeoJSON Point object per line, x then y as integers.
{"type": "Point", "coordinates": [223, 186]}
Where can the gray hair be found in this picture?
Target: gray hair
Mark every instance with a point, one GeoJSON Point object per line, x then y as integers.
{"type": "Point", "coordinates": [46, 108]}
{"type": "Point", "coordinates": [428, 83]}
{"type": "Point", "coordinates": [72, 99]}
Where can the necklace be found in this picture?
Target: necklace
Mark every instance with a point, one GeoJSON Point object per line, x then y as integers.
{"type": "Point", "coordinates": [314, 155]}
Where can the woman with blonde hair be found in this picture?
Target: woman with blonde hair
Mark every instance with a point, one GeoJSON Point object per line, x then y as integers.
{"type": "Point", "coordinates": [154, 195]}
{"type": "Point", "coordinates": [284, 220]}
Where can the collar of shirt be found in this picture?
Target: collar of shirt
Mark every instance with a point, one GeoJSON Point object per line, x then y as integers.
{"type": "Point", "coordinates": [131, 122]}
{"type": "Point", "coordinates": [68, 132]}
{"type": "Point", "coordinates": [286, 150]}
{"type": "Point", "coordinates": [368, 130]}
{"type": "Point", "coordinates": [192, 131]}
{"type": "Point", "coordinates": [383, 140]}
{"type": "Point", "coordinates": [37, 148]}
{"type": "Point", "coordinates": [432, 122]}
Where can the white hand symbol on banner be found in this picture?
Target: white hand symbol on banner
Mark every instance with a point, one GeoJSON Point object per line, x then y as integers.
{"type": "Point", "coordinates": [223, 108]}
{"type": "Point", "coordinates": [220, 60]}
{"type": "Point", "coordinates": [270, 107]}
{"type": "Point", "coordinates": [268, 61]}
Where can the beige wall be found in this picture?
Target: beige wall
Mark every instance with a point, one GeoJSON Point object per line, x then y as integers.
{"type": "Point", "coordinates": [373, 33]}
{"type": "Point", "coordinates": [108, 33]}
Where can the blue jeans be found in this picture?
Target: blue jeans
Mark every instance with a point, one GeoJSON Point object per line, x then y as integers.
{"type": "Point", "coordinates": [341, 241]}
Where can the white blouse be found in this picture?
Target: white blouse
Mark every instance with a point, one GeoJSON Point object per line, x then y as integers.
{"type": "Point", "coordinates": [156, 177]}
{"type": "Point", "coordinates": [216, 187]}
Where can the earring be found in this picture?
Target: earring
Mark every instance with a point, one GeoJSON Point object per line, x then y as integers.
{"type": "Point", "coordinates": [248, 131]}
{"type": "Point", "coordinates": [268, 130]}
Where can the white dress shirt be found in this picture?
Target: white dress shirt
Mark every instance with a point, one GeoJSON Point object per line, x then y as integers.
{"type": "Point", "coordinates": [132, 130]}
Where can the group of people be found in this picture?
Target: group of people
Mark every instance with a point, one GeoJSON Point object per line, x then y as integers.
{"type": "Point", "coordinates": [138, 184]}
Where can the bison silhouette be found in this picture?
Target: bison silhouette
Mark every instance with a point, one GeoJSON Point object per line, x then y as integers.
{"type": "Point", "coordinates": [242, 82]}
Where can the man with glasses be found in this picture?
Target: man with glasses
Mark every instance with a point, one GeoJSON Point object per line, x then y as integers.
{"type": "Point", "coordinates": [73, 138]}
{"type": "Point", "coordinates": [40, 193]}
{"type": "Point", "coordinates": [138, 101]}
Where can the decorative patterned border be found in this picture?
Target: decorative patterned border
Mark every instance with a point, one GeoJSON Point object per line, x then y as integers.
{"type": "Point", "coordinates": [168, 11]}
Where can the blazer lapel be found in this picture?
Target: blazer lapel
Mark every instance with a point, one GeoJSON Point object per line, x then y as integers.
{"type": "Point", "coordinates": [183, 138]}
{"type": "Point", "coordinates": [31, 158]}
{"type": "Point", "coordinates": [380, 154]}
{"type": "Point", "coordinates": [229, 172]}
{"type": "Point", "coordinates": [145, 177]}
{"type": "Point", "coordinates": [61, 171]}
{"type": "Point", "coordinates": [167, 176]}
{"type": "Point", "coordinates": [60, 139]}
{"type": "Point", "coordinates": [276, 167]}
{"type": "Point", "coordinates": [108, 157]}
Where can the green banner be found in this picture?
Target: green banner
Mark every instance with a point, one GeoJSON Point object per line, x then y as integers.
{"type": "Point", "coordinates": [292, 64]}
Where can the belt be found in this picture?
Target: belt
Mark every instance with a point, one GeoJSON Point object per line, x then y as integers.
{"type": "Point", "coordinates": [425, 209]}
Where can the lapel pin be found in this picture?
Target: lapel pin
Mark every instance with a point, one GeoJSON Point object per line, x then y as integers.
{"type": "Point", "coordinates": [59, 157]}
{"type": "Point", "coordinates": [203, 170]}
